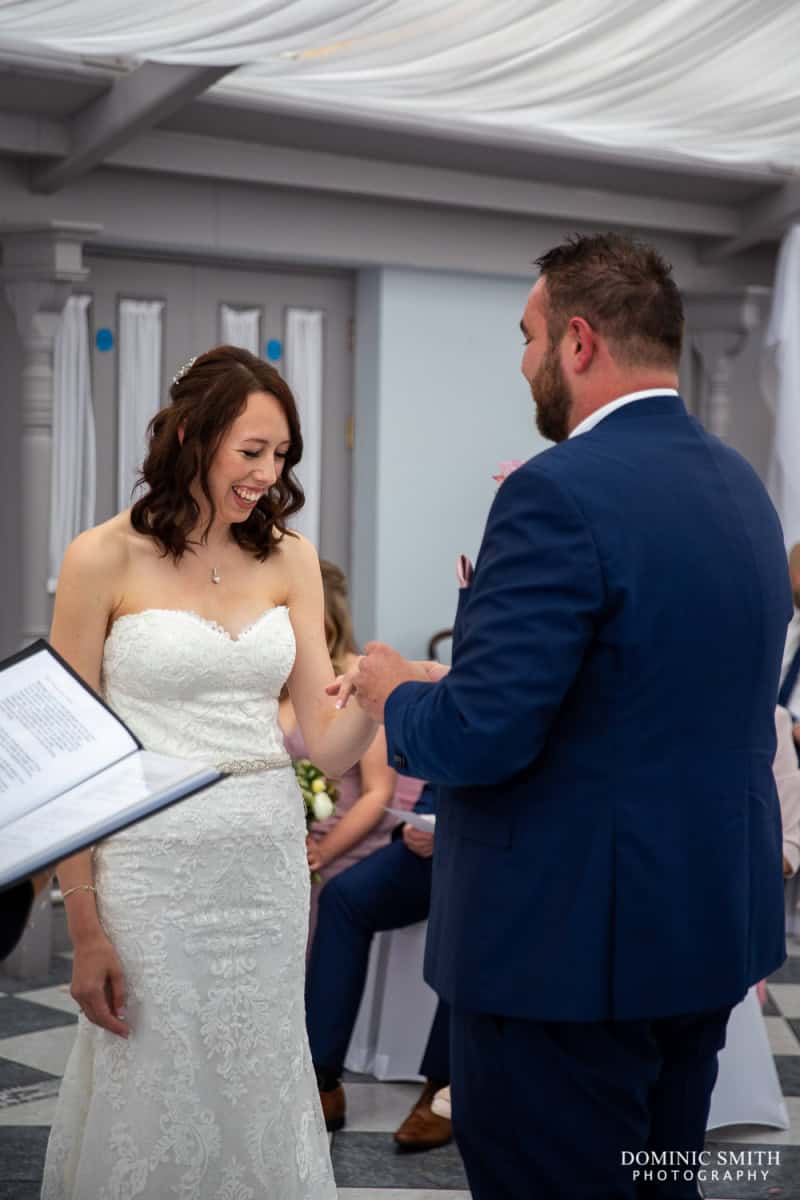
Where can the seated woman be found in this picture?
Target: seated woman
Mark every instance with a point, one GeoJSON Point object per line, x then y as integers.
{"type": "Point", "coordinates": [360, 822]}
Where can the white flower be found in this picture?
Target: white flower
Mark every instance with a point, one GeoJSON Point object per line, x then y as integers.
{"type": "Point", "coordinates": [323, 806]}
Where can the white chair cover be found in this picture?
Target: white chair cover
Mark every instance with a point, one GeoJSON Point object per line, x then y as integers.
{"type": "Point", "coordinates": [397, 1008]}
{"type": "Point", "coordinates": [747, 1091]}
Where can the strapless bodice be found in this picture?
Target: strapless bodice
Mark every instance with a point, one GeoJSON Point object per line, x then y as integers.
{"type": "Point", "coordinates": [184, 686]}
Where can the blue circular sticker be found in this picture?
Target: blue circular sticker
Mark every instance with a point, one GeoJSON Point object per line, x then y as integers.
{"type": "Point", "coordinates": [274, 349]}
{"type": "Point", "coordinates": [104, 340]}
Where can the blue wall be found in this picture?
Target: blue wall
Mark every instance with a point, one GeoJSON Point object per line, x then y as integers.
{"type": "Point", "coordinates": [440, 401]}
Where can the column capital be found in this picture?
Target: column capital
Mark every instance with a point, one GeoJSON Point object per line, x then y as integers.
{"type": "Point", "coordinates": [41, 265]}
{"type": "Point", "coordinates": [737, 311]}
{"type": "Point", "coordinates": [719, 324]}
{"type": "Point", "coordinates": [37, 306]}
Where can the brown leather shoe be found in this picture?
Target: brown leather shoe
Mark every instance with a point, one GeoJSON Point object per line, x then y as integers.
{"type": "Point", "coordinates": [422, 1129]}
{"type": "Point", "coordinates": [333, 1108]}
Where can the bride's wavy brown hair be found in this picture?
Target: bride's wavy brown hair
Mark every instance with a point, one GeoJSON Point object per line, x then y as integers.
{"type": "Point", "coordinates": [204, 403]}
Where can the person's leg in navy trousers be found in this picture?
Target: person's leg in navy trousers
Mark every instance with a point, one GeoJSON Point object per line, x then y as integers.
{"type": "Point", "coordinates": [546, 1109]}
{"type": "Point", "coordinates": [389, 889]}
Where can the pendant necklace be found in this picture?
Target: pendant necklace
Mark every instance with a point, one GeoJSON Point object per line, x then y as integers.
{"type": "Point", "coordinates": [215, 575]}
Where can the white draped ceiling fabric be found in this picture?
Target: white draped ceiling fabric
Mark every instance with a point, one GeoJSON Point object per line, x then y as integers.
{"type": "Point", "coordinates": [716, 81]}
{"type": "Point", "coordinates": [74, 466]}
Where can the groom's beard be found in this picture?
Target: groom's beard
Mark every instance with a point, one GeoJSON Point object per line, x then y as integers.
{"type": "Point", "coordinates": [551, 397]}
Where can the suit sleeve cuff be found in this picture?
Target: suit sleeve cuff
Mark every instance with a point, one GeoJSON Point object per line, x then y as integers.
{"type": "Point", "coordinates": [396, 704]}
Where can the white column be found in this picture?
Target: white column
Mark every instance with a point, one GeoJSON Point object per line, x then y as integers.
{"type": "Point", "coordinates": [36, 402]}
{"type": "Point", "coordinates": [40, 267]}
{"type": "Point", "coordinates": [719, 324]}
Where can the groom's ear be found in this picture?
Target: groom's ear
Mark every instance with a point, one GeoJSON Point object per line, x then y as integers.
{"type": "Point", "coordinates": [580, 342]}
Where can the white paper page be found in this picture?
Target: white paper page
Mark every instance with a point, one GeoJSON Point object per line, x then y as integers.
{"type": "Point", "coordinates": [53, 734]}
{"type": "Point", "coordinates": [139, 784]}
{"type": "Point", "coordinates": [424, 821]}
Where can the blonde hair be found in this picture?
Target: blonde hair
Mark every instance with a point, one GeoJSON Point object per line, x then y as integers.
{"type": "Point", "coordinates": [338, 622]}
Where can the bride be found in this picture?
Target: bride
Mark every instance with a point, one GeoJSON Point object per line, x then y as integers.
{"type": "Point", "coordinates": [191, 1076]}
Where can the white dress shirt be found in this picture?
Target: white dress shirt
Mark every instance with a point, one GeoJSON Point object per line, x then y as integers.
{"type": "Point", "coordinates": [600, 414]}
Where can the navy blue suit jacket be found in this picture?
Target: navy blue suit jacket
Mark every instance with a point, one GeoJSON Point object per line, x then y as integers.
{"type": "Point", "coordinates": [608, 838]}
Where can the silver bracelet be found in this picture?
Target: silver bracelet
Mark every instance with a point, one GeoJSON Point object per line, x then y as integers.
{"type": "Point", "coordinates": [79, 887]}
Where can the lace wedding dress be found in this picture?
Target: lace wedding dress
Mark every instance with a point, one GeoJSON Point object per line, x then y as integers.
{"type": "Point", "coordinates": [213, 1095]}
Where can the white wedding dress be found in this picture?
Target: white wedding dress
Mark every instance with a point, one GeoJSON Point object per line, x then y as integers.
{"type": "Point", "coordinates": [213, 1095]}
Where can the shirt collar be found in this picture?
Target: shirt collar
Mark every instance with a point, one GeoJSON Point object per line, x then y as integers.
{"type": "Point", "coordinates": [600, 414]}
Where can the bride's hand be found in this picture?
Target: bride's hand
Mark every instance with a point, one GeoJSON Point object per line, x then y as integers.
{"type": "Point", "coordinates": [435, 670]}
{"type": "Point", "coordinates": [344, 686]}
{"type": "Point", "coordinates": [98, 984]}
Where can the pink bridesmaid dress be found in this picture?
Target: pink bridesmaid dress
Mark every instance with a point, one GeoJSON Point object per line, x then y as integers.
{"type": "Point", "coordinates": [405, 797]}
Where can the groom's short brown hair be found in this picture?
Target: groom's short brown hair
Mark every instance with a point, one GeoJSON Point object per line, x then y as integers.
{"type": "Point", "coordinates": [623, 288]}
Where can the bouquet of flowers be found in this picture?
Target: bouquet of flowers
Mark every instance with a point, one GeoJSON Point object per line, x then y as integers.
{"type": "Point", "coordinates": [319, 792]}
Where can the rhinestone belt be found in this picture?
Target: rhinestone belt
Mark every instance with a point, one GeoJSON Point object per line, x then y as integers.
{"type": "Point", "coordinates": [250, 766]}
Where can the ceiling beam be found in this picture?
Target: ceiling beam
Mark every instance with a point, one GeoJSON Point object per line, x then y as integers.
{"type": "Point", "coordinates": [765, 220]}
{"type": "Point", "coordinates": [223, 159]}
{"type": "Point", "coordinates": [133, 104]}
{"type": "Point", "coordinates": [226, 160]}
{"type": "Point", "coordinates": [318, 171]}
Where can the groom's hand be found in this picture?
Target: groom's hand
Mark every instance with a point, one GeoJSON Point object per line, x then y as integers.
{"type": "Point", "coordinates": [379, 672]}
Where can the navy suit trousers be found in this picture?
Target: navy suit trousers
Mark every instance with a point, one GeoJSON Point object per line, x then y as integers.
{"type": "Point", "coordinates": [554, 1110]}
{"type": "Point", "coordinates": [387, 890]}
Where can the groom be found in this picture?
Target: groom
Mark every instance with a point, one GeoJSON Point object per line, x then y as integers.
{"type": "Point", "coordinates": [607, 873]}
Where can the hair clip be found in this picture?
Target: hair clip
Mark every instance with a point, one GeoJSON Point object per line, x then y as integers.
{"type": "Point", "coordinates": [185, 369]}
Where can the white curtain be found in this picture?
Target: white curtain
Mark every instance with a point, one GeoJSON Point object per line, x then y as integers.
{"type": "Point", "coordinates": [139, 387]}
{"type": "Point", "coordinates": [241, 327]}
{"type": "Point", "coordinates": [781, 382]}
{"type": "Point", "coordinates": [74, 462]}
{"type": "Point", "coordinates": [716, 81]}
{"type": "Point", "coordinates": [304, 335]}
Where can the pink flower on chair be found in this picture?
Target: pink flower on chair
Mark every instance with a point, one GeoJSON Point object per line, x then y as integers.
{"type": "Point", "coordinates": [506, 468]}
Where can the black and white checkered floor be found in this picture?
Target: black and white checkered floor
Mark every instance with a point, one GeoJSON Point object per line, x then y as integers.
{"type": "Point", "coordinates": [36, 1032]}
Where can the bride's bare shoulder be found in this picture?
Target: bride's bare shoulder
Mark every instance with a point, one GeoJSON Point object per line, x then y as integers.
{"type": "Point", "coordinates": [298, 554]}
{"type": "Point", "coordinates": [299, 568]}
{"type": "Point", "coordinates": [104, 548]}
